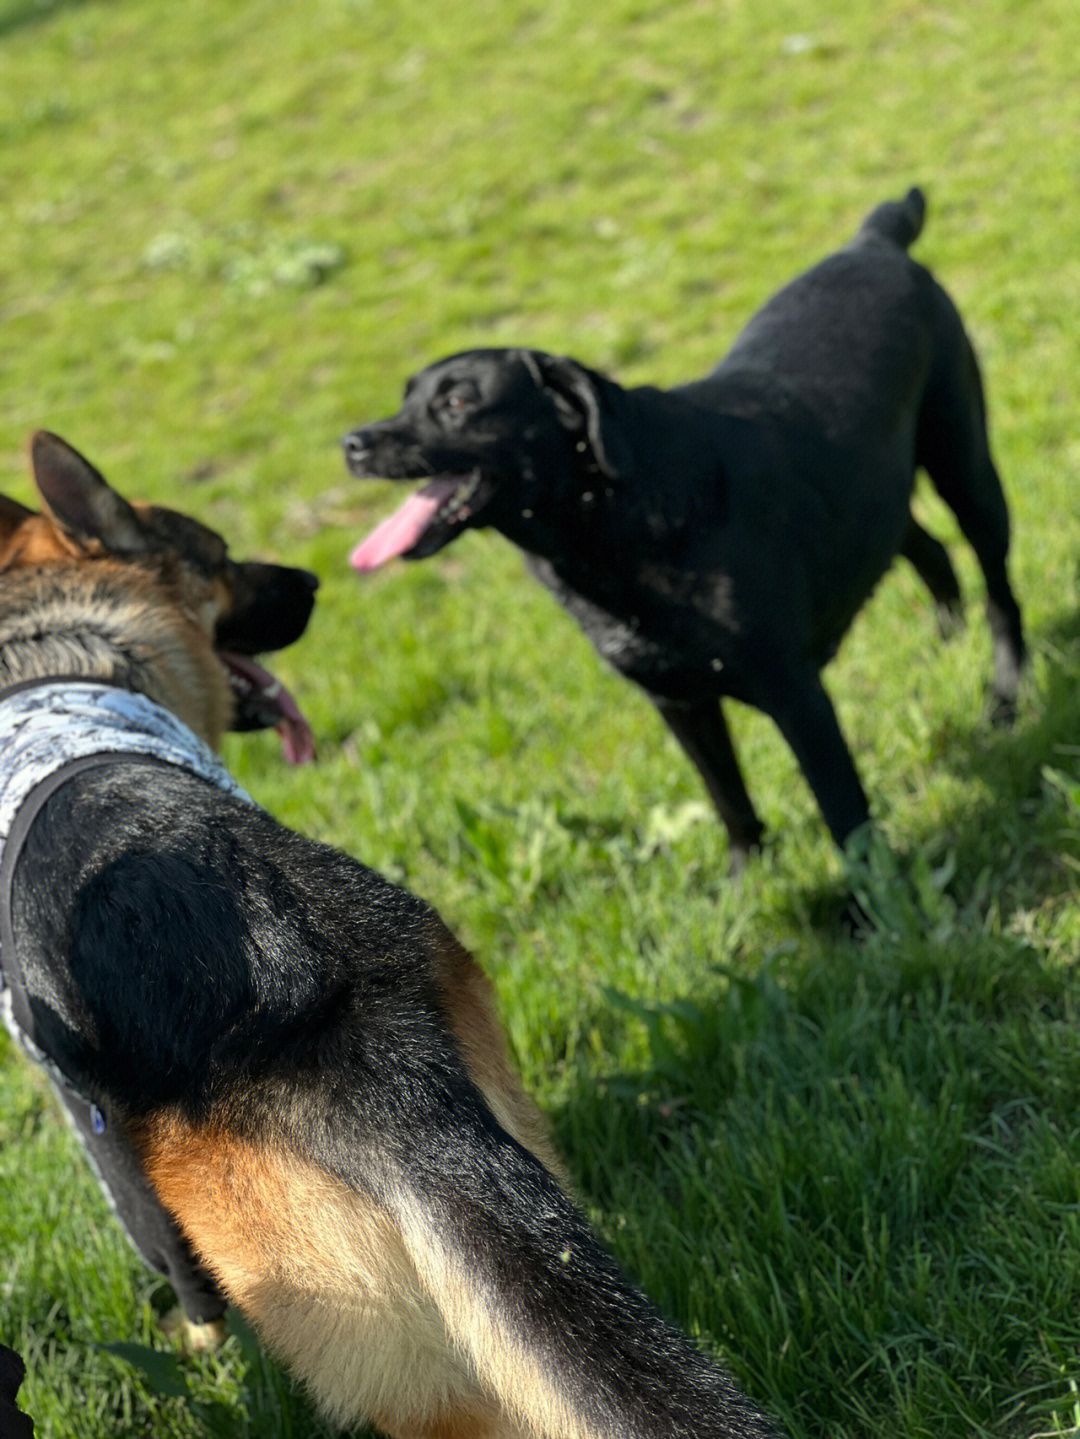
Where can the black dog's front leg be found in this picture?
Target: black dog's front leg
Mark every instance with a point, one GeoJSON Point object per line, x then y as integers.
{"type": "Point", "coordinates": [805, 717]}
{"type": "Point", "coordinates": [701, 729]}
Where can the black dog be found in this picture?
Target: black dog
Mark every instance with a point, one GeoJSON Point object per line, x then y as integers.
{"type": "Point", "coordinates": [718, 538]}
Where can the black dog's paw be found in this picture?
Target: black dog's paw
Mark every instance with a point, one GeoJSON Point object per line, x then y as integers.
{"type": "Point", "coordinates": [1001, 710]}
{"type": "Point", "coordinates": [739, 856]}
{"type": "Point", "coordinates": [951, 620]}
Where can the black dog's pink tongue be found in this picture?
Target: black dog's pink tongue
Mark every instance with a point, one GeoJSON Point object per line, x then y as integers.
{"type": "Point", "coordinates": [267, 693]}
{"type": "Point", "coordinates": [403, 529]}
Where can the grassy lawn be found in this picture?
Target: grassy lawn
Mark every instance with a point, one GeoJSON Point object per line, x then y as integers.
{"type": "Point", "coordinates": [851, 1170]}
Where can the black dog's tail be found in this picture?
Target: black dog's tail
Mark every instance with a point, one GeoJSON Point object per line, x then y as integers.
{"type": "Point", "coordinates": [547, 1319]}
{"type": "Point", "coordinates": [900, 221]}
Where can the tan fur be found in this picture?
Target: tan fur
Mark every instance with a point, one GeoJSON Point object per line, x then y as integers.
{"type": "Point", "coordinates": [526, 1385]}
{"type": "Point", "coordinates": [172, 653]}
{"type": "Point", "coordinates": [325, 1278]}
{"type": "Point", "coordinates": [468, 998]}
{"type": "Point", "coordinates": [29, 539]}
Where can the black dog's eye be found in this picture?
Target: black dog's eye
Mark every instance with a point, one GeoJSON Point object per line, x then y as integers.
{"type": "Point", "coordinates": [455, 400]}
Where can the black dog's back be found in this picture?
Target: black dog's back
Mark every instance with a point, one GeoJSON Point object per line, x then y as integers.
{"type": "Point", "coordinates": [867, 302]}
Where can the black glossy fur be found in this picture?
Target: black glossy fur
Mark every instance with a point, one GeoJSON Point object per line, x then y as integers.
{"type": "Point", "coordinates": [309, 1071]}
{"type": "Point", "coordinates": [717, 539]}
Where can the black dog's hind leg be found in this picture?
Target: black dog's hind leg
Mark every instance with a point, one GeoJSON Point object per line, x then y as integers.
{"type": "Point", "coordinates": [983, 518]}
{"type": "Point", "coordinates": [953, 447]}
{"type": "Point", "coordinates": [930, 560]}
{"type": "Point", "coordinates": [701, 729]}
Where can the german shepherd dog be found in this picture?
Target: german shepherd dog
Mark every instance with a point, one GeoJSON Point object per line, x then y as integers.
{"type": "Point", "coordinates": [717, 539]}
{"type": "Point", "coordinates": [303, 1063]}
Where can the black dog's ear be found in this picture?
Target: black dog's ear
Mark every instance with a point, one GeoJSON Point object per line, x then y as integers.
{"type": "Point", "coordinates": [585, 402]}
{"type": "Point", "coordinates": [80, 503]}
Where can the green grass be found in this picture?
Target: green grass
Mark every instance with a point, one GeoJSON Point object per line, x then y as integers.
{"type": "Point", "coordinates": [231, 231]}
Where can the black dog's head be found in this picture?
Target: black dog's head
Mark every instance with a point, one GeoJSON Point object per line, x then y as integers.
{"type": "Point", "coordinates": [501, 436]}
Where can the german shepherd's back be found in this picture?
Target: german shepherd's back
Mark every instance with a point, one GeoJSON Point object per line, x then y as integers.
{"type": "Point", "coordinates": [337, 1129]}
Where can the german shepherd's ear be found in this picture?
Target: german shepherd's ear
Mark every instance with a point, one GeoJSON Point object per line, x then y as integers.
{"type": "Point", "coordinates": [80, 503]}
{"type": "Point", "coordinates": [586, 403]}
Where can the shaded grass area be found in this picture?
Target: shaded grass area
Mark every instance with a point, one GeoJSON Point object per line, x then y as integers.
{"type": "Point", "coordinates": [850, 1169]}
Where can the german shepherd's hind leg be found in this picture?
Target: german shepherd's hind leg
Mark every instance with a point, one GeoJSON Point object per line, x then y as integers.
{"type": "Point", "coordinates": [323, 1275]}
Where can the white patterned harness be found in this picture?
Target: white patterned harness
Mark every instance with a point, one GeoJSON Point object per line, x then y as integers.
{"type": "Point", "coordinates": [47, 731]}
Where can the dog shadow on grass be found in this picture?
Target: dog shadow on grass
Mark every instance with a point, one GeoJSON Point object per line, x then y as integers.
{"type": "Point", "coordinates": [803, 1143]}
{"type": "Point", "coordinates": [806, 1168]}
{"type": "Point", "coordinates": [1020, 838]}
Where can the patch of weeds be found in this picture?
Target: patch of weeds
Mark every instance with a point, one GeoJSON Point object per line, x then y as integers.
{"type": "Point", "coordinates": [900, 896]}
{"type": "Point", "coordinates": [243, 258]}
{"type": "Point", "coordinates": [525, 849]}
{"type": "Point", "coordinates": [235, 1392]}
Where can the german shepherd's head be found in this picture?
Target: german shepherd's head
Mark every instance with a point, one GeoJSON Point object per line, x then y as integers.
{"type": "Point", "coordinates": [145, 597]}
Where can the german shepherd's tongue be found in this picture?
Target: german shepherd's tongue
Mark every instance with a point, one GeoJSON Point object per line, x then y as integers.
{"type": "Point", "coordinates": [404, 527]}
{"type": "Point", "coordinates": [264, 702]}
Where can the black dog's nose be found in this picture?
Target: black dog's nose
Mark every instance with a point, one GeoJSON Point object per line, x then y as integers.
{"type": "Point", "coordinates": [307, 578]}
{"type": "Point", "coordinates": [357, 447]}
